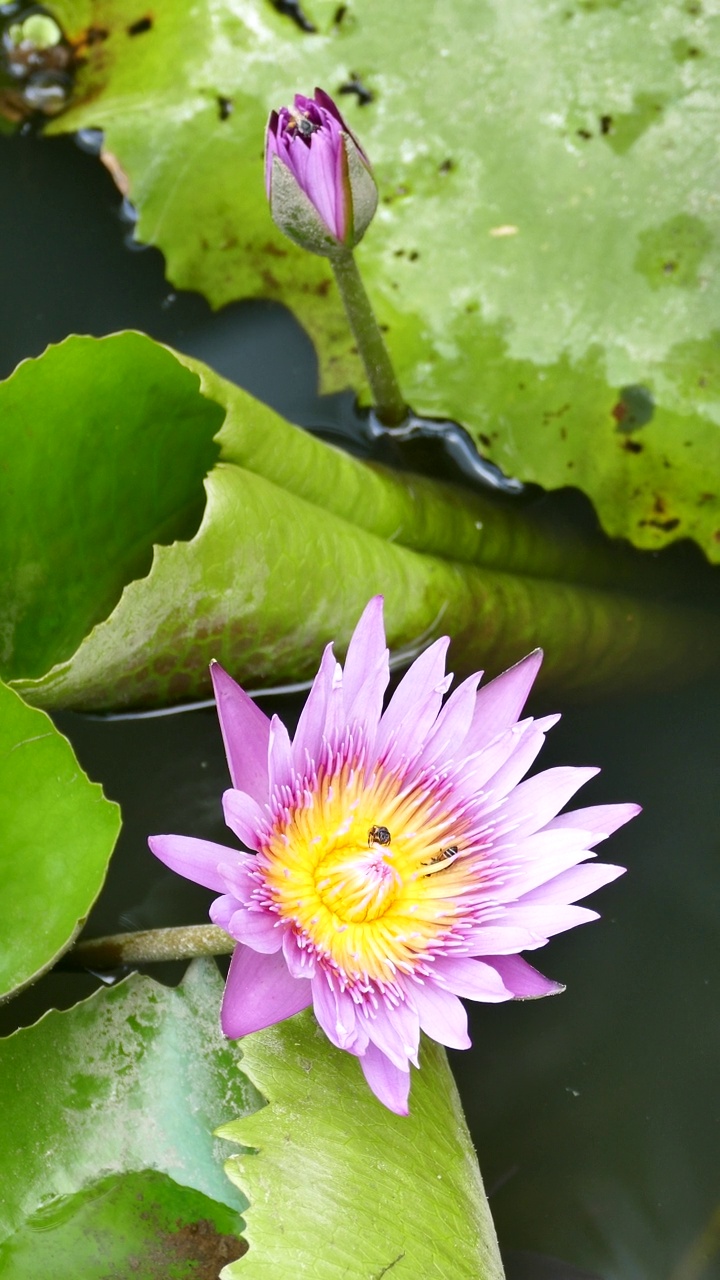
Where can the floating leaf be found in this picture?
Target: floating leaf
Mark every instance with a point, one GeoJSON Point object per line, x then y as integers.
{"type": "Point", "coordinates": [135, 1078]}
{"type": "Point", "coordinates": [57, 832]}
{"type": "Point", "coordinates": [295, 538]}
{"type": "Point", "coordinates": [338, 1185]}
{"type": "Point", "coordinates": [129, 1224]}
{"type": "Point", "coordinates": [547, 244]}
{"type": "Point", "coordinates": [103, 450]}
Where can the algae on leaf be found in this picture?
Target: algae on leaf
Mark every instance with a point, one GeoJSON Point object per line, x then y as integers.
{"type": "Point", "coordinates": [548, 234]}
{"type": "Point", "coordinates": [127, 1224]}
{"type": "Point", "coordinates": [135, 1078]}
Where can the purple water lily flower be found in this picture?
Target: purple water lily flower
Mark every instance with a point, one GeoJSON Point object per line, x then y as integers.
{"type": "Point", "coordinates": [319, 182]}
{"type": "Point", "coordinates": [398, 861]}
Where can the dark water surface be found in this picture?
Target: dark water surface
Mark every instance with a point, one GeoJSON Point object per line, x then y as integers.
{"type": "Point", "coordinates": [596, 1114]}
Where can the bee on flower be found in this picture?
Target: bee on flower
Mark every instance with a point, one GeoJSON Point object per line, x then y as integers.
{"type": "Point", "coordinates": [397, 862]}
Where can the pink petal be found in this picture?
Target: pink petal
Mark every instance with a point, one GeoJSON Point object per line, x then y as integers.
{"type": "Point", "coordinates": [245, 817]}
{"type": "Point", "coordinates": [257, 929]}
{"type": "Point", "coordinates": [600, 820]}
{"type": "Point", "coordinates": [323, 177]}
{"type": "Point", "coordinates": [300, 961]}
{"type": "Point", "coordinates": [501, 701]}
{"type": "Point", "coordinates": [575, 883]}
{"type": "Point", "coordinates": [245, 730]}
{"type": "Point", "coordinates": [311, 725]}
{"type": "Point", "coordinates": [528, 747]}
{"type": "Point", "coordinates": [260, 992]}
{"type": "Point", "coordinates": [444, 742]}
{"type": "Point", "coordinates": [497, 940]}
{"type": "Point", "coordinates": [238, 878]}
{"type": "Point", "coordinates": [481, 769]}
{"type": "Point", "coordinates": [442, 1016]}
{"type": "Point", "coordinates": [522, 980]}
{"type": "Point", "coordinates": [366, 671]}
{"type": "Point", "coordinates": [414, 706]}
{"type": "Point", "coordinates": [197, 860]}
{"type": "Point", "coordinates": [473, 979]}
{"type": "Point", "coordinates": [280, 756]}
{"type": "Point", "coordinates": [222, 910]}
{"type": "Point", "coordinates": [534, 802]}
{"type": "Point", "coordinates": [395, 1029]}
{"type": "Point", "coordinates": [335, 1011]}
{"type": "Point", "coordinates": [367, 648]}
{"type": "Point", "coordinates": [546, 921]}
{"type": "Point", "coordinates": [389, 1084]}
{"type": "Point", "coordinates": [532, 862]}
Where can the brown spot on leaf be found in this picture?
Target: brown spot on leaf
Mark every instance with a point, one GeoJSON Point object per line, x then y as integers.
{"type": "Point", "coordinates": [667, 526]}
{"type": "Point", "coordinates": [632, 446]}
{"type": "Point", "coordinates": [141, 26]}
{"type": "Point", "coordinates": [269, 280]}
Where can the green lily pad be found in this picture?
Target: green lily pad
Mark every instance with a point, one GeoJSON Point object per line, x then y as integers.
{"type": "Point", "coordinates": [547, 242]}
{"type": "Point", "coordinates": [57, 832]}
{"type": "Point", "coordinates": [132, 1224]}
{"type": "Point", "coordinates": [103, 450]}
{"type": "Point", "coordinates": [339, 1186]}
{"type": "Point", "coordinates": [295, 538]}
{"type": "Point", "coordinates": [135, 1078]}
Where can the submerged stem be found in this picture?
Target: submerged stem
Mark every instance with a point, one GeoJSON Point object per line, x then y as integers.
{"type": "Point", "coordinates": [388, 401]}
{"type": "Point", "coordinates": [149, 947]}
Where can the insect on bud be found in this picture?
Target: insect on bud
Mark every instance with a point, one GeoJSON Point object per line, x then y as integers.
{"type": "Point", "coordinates": [319, 182]}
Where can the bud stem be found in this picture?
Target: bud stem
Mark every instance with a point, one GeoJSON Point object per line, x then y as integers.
{"type": "Point", "coordinates": [148, 947]}
{"type": "Point", "coordinates": [388, 401]}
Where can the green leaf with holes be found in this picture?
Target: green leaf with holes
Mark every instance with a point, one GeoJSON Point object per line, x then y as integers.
{"type": "Point", "coordinates": [339, 1186]}
{"type": "Point", "coordinates": [547, 248]}
{"type": "Point", "coordinates": [107, 1151]}
{"type": "Point", "coordinates": [294, 539]}
{"type": "Point", "coordinates": [57, 832]}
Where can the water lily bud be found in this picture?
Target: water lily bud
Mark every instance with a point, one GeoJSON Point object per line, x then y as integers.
{"type": "Point", "coordinates": [319, 182]}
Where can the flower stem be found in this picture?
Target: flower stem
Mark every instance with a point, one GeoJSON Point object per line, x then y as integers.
{"type": "Point", "coordinates": [388, 401]}
{"type": "Point", "coordinates": [149, 947]}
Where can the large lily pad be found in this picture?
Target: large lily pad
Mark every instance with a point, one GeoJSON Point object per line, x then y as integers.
{"type": "Point", "coordinates": [545, 257]}
{"type": "Point", "coordinates": [295, 538]}
{"type": "Point", "coordinates": [103, 451]}
{"type": "Point", "coordinates": [338, 1186]}
{"type": "Point", "coordinates": [57, 832]}
{"type": "Point", "coordinates": [135, 1078]}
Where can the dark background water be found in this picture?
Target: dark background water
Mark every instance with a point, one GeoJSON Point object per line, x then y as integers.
{"type": "Point", "coordinates": [596, 1114]}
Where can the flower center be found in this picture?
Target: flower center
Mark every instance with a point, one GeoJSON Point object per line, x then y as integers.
{"type": "Point", "coordinates": [357, 884]}
{"type": "Point", "coordinates": [368, 873]}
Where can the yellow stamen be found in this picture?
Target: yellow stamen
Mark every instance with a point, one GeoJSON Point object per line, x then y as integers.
{"type": "Point", "coordinates": [370, 906]}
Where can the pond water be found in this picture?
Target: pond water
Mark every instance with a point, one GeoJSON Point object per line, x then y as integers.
{"type": "Point", "coordinates": [596, 1115]}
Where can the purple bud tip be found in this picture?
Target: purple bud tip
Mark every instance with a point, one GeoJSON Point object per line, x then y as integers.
{"type": "Point", "coordinates": [310, 139]}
